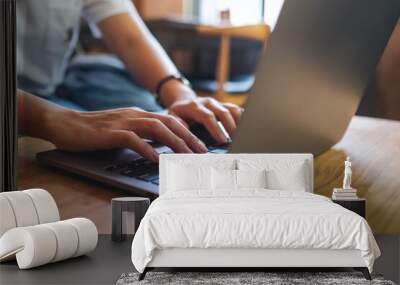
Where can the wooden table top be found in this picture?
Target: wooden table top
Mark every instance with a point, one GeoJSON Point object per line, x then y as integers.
{"type": "Point", "coordinates": [372, 144]}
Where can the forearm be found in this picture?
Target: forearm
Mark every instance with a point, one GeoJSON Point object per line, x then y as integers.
{"type": "Point", "coordinates": [143, 55]}
{"type": "Point", "coordinates": [149, 64]}
{"type": "Point", "coordinates": [35, 115]}
{"type": "Point", "coordinates": [117, 128]}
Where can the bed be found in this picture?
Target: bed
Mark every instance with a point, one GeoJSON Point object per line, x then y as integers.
{"type": "Point", "coordinates": [246, 211]}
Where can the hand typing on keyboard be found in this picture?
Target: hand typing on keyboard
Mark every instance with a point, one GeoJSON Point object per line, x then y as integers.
{"type": "Point", "coordinates": [119, 128]}
{"type": "Point", "coordinates": [220, 119]}
{"type": "Point", "coordinates": [130, 127]}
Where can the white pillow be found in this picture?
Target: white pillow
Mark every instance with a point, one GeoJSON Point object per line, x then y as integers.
{"type": "Point", "coordinates": [188, 177]}
{"type": "Point", "coordinates": [223, 179]}
{"type": "Point", "coordinates": [191, 174]}
{"type": "Point", "coordinates": [292, 179]}
{"type": "Point", "coordinates": [281, 174]}
{"type": "Point", "coordinates": [251, 178]}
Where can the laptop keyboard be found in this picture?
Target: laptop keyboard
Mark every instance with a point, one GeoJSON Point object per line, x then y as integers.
{"type": "Point", "coordinates": [147, 170]}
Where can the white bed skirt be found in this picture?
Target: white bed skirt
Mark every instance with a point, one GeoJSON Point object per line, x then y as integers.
{"type": "Point", "coordinates": [193, 257]}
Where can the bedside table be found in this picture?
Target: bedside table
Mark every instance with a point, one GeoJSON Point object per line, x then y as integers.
{"type": "Point", "coordinates": [127, 212]}
{"type": "Point", "coordinates": [356, 206]}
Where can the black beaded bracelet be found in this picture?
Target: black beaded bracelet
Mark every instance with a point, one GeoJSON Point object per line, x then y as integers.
{"type": "Point", "coordinates": [162, 82]}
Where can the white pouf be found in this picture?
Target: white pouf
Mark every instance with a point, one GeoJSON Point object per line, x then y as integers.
{"type": "Point", "coordinates": [87, 233]}
{"type": "Point", "coordinates": [67, 239]}
{"type": "Point", "coordinates": [32, 233]}
{"type": "Point", "coordinates": [46, 207]}
{"type": "Point", "coordinates": [7, 220]}
{"type": "Point", "coordinates": [37, 245]}
{"type": "Point", "coordinates": [23, 208]}
{"type": "Point", "coordinates": [26, 208]}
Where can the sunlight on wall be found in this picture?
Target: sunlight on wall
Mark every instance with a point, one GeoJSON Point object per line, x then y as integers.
{"type": "Point", "coordinates": [241, 11]}
{"type": "Point", "coordinates": [271, 12]}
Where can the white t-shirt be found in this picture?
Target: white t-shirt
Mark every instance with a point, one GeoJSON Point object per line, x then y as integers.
{"type": "Point", "coordinates": [47, 33]}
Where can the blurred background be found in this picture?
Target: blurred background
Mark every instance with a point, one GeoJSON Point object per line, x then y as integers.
{"type": "Point", "coordinates": [216, 44]}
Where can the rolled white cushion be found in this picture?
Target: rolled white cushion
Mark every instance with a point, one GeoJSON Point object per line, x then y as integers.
{"type": "Point", "coordinates": [45, 205]}
{"type": "Point", "coordinates": [23, 208]}
{"type": "Point", "coordinates": [26, 208]}
{"type": "Point", "coordinates": [7, 218]}
{"type": "Point", "coordinates": [33, 246]}
{"type": "Point", "coordinates": [67, 239]}
{"type": "Point", "coordinates": [87, 235]}
{"type": "Point", "coordinates": [37, 245]}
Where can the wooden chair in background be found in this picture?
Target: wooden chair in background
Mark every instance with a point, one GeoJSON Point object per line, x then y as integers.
{"type": "Point", "coordinates": [226, 32]}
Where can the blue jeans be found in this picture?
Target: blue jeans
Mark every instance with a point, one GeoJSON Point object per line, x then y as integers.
{"type": "Point", "coordinates": [96, 86]}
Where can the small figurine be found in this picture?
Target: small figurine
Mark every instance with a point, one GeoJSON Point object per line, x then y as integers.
{"type": "Point", "coordinates": [347, 174]}
{"type": "Point", "coordinates": [346, 193]}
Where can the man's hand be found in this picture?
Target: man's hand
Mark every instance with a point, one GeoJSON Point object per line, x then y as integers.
{"type": "Point", "coordinates": [126, 127]}
{"type": "Point", "coordinates": [207, 111]}
{"type": "Point", "coordinates": [121, 128]}
{"type": "Point", "coordinates": [118, 128]}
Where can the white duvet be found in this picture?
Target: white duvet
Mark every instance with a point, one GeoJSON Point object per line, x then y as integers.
{"type": "Point", "coordinates": [250, 219]}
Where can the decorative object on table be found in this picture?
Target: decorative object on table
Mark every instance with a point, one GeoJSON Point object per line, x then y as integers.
{"type": "Point", "coordinates": [347, 174]}
{"type": "Point", "coordinates": [127, 212]}
{"type": "Point", "coordinates": [31, 231]}
{"type": "Point", "coordinates": [248, 278]}
{"type": "Point", "coordinates": [346, 192]}
{"type": "Point", "coordinates": [357, 206]}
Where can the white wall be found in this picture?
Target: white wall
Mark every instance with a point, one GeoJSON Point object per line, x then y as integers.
{"type": "Point", "coordinates": [272, 11]}
{"type": "Point", "coordinates": [242, 11]}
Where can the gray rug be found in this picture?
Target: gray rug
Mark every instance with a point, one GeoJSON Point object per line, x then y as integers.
{"type": "Point", "coordinates": [243, 278]}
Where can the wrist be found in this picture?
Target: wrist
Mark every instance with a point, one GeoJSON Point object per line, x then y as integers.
{"type": "Point", "coordinates": [54, 122]}
{"type": "Point", "coordinates": [173, 91]}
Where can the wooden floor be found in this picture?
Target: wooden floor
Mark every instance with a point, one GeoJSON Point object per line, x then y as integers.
{"type": "Point", "coordinates": [372, 144]}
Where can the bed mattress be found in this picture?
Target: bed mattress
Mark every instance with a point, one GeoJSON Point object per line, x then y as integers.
{"type": "Point", "coordinates": [250, 219]}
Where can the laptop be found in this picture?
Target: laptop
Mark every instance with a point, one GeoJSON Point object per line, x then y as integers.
{"type": "Point", "coordinates": [309, 82]}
